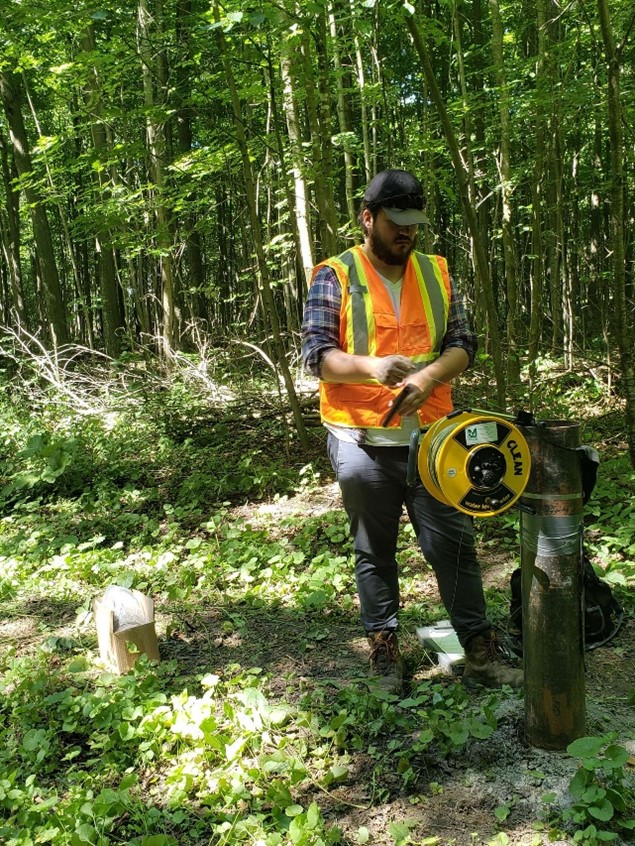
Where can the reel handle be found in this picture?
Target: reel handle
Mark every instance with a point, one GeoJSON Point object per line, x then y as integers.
{"type": "Point", "coordinates": [412, 476]}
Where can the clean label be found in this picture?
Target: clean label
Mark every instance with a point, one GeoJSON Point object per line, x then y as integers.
{"type": "Point", "coordinates": [482, 433]}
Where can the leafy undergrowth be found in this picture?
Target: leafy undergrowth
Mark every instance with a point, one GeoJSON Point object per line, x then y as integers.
{"type": "Point", "coordinates": [259, 725]}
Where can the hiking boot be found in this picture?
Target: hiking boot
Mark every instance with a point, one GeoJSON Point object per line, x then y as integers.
{"type": "Point", "coordinates": [386, 663]}
{"type": "Point", "coordinates": [486, 664]}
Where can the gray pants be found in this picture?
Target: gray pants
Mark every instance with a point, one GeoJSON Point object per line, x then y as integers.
{"type": "Point", "coordinates": [374, 491]}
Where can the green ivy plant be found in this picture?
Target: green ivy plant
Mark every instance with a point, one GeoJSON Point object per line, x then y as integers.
{"type": "Point", "coordinates": [603, 802]}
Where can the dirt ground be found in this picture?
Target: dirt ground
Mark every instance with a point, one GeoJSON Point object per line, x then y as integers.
{"type": "Point", "coordinates": [457, 806]}
{"type": "Point", "coordinates": [465, 790]}
{"type": "Point", "coordinates": [455, 800]}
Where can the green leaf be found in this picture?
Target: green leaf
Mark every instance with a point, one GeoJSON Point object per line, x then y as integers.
{"type": "Point", "coordinates": [338, 772]}
{"type": "Point", "coordinates": [48, 835]}
{"type": "Point", "coordinates": [585, 747]}
{"type": "Point", "coordinates": [616, 799]}
{"type": "Point", "coordinates": [278, 717]}
{"type": "Point", "coordinates": [84, 833]}
{"type": "Point", "coordinates": [50, 802]}
{"type": "Point", "coordinates": [233, 750]}
{"type": "Point", "coordinates": [593, 793]}
{"type": "Point", "coordinates": [363, 834]}
{"type": "Point", "coordinates": [78, 664]}
{"type": "Point", "coordinates": [480, 730]}
{"type": "Point", "coordinates": [293, 810]}
{"type": "Point", "coordinates": [579, 783]}
{"type": "Point", "coordinates": [604, 811]}
{"type": "Point", "coordinates": [616, 755]}
{"type": "Point", "coordinates": [411, 702]}
{"type": "Point", "coordinates": [313, 816]}
{"type": "Point", "coordinates": [296, 830]}
{"type": "Point", "coordinates": [34, 740]}
{"type": "Point", "coordinates": [399, 832]}
{"type": "Point", "coordinates": [502, 812]}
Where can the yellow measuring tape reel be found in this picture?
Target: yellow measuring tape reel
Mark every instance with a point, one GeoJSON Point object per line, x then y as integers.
{"type": "Point", "coordinates": [478, 463]}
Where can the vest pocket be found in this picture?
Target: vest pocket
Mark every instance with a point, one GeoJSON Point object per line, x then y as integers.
{"type": "Point", "coordinates": [364, 395]}
{"type": "Point", "coordinates": [415, 337]}
{"type": "Point", "coordinates": [387, 333]}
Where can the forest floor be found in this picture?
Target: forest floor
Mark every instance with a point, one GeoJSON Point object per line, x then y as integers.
{"type": "Point", "coordinates": [260, 595]}
{"type": "Point", "coordinates": [456, 799]}
{"type": "Point", "coordinates": [463, 791]}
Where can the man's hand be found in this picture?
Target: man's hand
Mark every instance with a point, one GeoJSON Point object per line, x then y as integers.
{"type": "Point", "coordinates": [445, 368]}
{"type": "Point", "coordinates": [417, 395]}
{"type": "Point", "coordinates": [392, 369]}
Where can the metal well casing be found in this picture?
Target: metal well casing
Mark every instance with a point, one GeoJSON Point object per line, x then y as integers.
{"type": "Point", "coordinates": [551, 566]}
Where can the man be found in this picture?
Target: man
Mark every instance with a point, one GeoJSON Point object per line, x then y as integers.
{"type": "Point", "coordinates": [379, 317]}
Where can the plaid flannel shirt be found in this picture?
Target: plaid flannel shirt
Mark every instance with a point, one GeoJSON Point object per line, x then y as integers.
{"type": "Point", "coordinates": [321, 324]}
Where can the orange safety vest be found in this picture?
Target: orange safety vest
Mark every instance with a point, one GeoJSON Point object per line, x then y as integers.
{"type": "Point", "coordinates": [369, 326]}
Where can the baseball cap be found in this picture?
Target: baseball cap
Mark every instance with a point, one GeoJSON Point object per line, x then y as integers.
{"type": "Point", "coordinates": [400, 195]}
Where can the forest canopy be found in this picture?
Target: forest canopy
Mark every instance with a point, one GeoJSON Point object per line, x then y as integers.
{"type": "Point", "coordinates": [173, 170]}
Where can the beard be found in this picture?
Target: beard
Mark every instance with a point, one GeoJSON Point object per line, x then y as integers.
{"type": "Point", "coordinates": [391, 253]}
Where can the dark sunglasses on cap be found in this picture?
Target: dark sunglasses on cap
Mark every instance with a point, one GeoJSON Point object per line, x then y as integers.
{"type": "Point", "coordinates": [400, 201]}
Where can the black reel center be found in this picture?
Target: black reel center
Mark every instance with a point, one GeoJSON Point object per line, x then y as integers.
{"type": "Point", "coordinates": [486, 468]}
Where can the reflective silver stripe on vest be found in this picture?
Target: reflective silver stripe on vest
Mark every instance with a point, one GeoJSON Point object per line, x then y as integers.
{"type": "Point", "coordinates": [357, 293]}
{"type": "Point", "coordinates": [434, 287]}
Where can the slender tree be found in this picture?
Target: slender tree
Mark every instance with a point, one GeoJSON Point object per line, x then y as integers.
{"type": "Point", "coordinates": [294, 135]}
{"type": "Point", "coordinates": [152, 61]}
{"type": "Point", "coordinates": [113, 320]}
{"type": "Point", "coordinates": [56, 314]}
{"type": "Point", "coordinates": [624, 332]}
{"type": "Point", "coordinates": [506, 190]}
{"type": "Point", "coordinates": [10, 233]}
{"type": "Point", "coordinates": [268, 303]}
{"type": "Point", "coordinates": [480, 257]}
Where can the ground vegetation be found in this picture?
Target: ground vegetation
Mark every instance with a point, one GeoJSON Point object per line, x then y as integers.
{"type": "Point", "coordinates": [173, 169]}
{"type": "Point", "coordinates": [258, 725]}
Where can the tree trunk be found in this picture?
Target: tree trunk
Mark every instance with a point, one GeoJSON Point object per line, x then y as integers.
{"type": "Point", "coordinates": [325, 127]}
{"type": "Point", "coordinates": [342, 119]}
{"type": "Point", "coordinates": [622, 325]}
{"type": "Point", "coordinates": [320, 132]}
{"type": "Point", "coordinates": [361, 84]}
{"type": "Point", "coordinates": [184, 115]}
{"type": "Point", "coordinates": [113, 321]}
{"type": "Point", "coordinates": [11, 236]}
{"type": "Point", "coordinates": [554, 240]}
{"type": "Point", "coordinates": [56, 314]}
{"type": "Point", "coordinates": [467, 157]}
{"type": "Point", "coordinates": [290, 110]}
{"type": "Point", "coordinates": [269, 306]}
{"type": "Point", "coordinates": [536, 319]}
{"type": "Point", "coordinates": [156, 139]}
{"type": "Point", "coordinates": [480, 258]}
{"type": "Point", "coordinates": [505, 174]}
